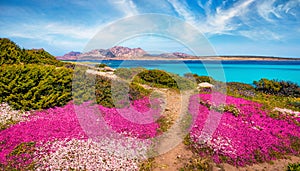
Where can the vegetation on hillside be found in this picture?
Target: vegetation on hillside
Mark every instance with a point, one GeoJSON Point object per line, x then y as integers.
{"type": "Point", "coordinates": [35, 86]}
{"type": "Point", "coordinates": [282, 88]}
{"type": "Point", "coordinates": [163, 79]}
{"type": "Point", "coordinates": [34, 79]}
{"type": "Point", "coordinates": [11, 53]}
{"type": "Point", "coordinates": [107, 92]}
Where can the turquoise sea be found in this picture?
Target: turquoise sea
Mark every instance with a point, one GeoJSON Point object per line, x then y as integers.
{"type": "Point", "coordinates": [229, 71]}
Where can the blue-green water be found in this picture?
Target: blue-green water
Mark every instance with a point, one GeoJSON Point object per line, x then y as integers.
{"type": "Point", "coordinates": [229, 71]}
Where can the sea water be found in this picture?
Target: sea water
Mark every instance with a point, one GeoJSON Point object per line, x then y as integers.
{"type": "Point", "coordinates": [228, 71]}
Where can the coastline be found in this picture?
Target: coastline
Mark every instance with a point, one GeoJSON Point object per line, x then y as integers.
{"type": "Point", "coordinates": [204, 58]}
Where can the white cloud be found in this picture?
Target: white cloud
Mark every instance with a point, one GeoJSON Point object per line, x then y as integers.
{"type": "Point", "coordinates": [44, 30]}
{"type": "Point", "coordinates": [240, 19]}
{"type": "Point", "coordinates": [206, 7]}
{"type": "Point", "coordinates": [266, 10]}
{"type": "Point", "coordinates": [287, 8]}
{"type": "Point", "coordinates": [261, 34]}
{"type": "Point", "coordinates": [128, 7]}
{"type": "Point", "coordinates": [182, 10]}
{"type": "Point", "coordinates": [55, 34]}
{"type": "Point", "coordinates": [222, 21]}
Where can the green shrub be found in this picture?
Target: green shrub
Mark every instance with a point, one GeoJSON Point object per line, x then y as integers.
{"type": "Point", "coordinates": [39, 56]}
{"type": "Point", "coordinates": [162, 79]}
{"type": "Point", "coordinates": [100, 65]}
{"type": "Point", "coordinates": [137, 92]}
{"type": "Point", "coordinates": [35, 86]}
{"type": "Point", "coordinates": [277, 87]}
{"type": "Point", "coordinates": [240, 89]}
{"type": "Point", "coordinates": [11, 53]}
{"type": "Point", "coordinates": [199, 79]}
{"type": "Point", "coordinates": [147, 165]}
{"type": "Point", "coordinates": [293, 167]}
{"type": "Point", "coordinates": [124, 73]}
{"type": "Point", "coordinates": [104, 91]}
{"type": "Point", "coordinates": [196, 163]}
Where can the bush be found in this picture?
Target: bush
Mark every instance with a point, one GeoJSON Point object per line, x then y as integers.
{"type": "Point", "coordinates": [293, 167]}
{"type": "Point", "coordinates": [199, 79]}
{"type": "Point", "coordinates": [162, 79]}
{"type": "Point", "coordinates": [241, 89]}
{"type": "Point", "coordinates": [35, 86]}
{"type": "Point", "coordinates": [103, 90]}
{"type": "Point", "coordinates": [39, 56]}
{"type": "Point", "coordinates": [128, 73]}
{"type": "Point", "coordinates": [100, 65]}
{"type": "Point", "coordinates": [124, 73]}
{"type": "Point", "coordinates": [277, 87]}
{"type": "Point", "coordinates": [11, 53]}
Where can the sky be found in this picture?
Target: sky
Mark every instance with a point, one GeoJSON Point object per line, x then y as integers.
{"type": "Point", "coordinates": [232, 27]}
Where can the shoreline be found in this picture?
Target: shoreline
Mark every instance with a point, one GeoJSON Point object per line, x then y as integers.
{"type": "Point", "coordinates": [147, 59]}
{"type": "Point", "coordinates": [202, 58]}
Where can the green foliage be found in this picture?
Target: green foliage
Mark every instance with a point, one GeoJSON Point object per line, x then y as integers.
{"type": "Point", "coordinates": [147, 165]}
{"type": "Point", "coordinates": [162, 79]}
{"type": "Point", "coordinates": [164, 124]}
{"type": "Point", "coordinates": [187, 140]}
{"type": "Point", "coordinates": [241, 89]}
{"type": "Point", "coordinates": [35, 86]}
{"type": "Point", "coordinates": [221, 108]}
{"type": "Point", "coordinates": [293, 167]}
{"type": "Point", "coordinates": [196, 163]}
{"type": "Point", "coordinates": [104, 91]}
{"type": "Point", "coordinates": [39, 56]}
{"type": "Point", "coordinates": [277, 87]}
{"type": "Point", "coordinates": [137, 92]}
{"type": "Point", "coordinates": [124, 73]}
{"type": "Point", "coordinates": [100, 65]}
{"type": "Point", "coordinates": [200, 79]}
{"type": "Point", "coordinates": [83, 85]}
{"type": "Point", "coordinates": [158, 78]}
{"type": "Point", "coordinates": [128, 73]}
{"type": "Point", "coordinates": [10, 53]}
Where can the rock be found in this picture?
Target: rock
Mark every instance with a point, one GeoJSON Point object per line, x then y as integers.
{"type": "Point", "coordinates": [108, 69]}
{"type": "Point", "coordinates": [205, 85]}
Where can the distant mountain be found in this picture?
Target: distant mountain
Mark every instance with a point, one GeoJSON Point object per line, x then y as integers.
{"type": "Point", "coordinates": [119, 52]}
{"type": "Point", "coordinates": [174, 55]}
{"type": "Point", "coordinates": [114, 52]}
{"type": "Point", "coordinates": [125, 53]}
{"type": "Point", "coordinates": [69, 56]}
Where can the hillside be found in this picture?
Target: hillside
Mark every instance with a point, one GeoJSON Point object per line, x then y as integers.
{"type": "Point", "coordinates": [11, 53]}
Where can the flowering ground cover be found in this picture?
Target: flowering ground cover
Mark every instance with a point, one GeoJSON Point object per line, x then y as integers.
{"type": "Point", "coordinates": [9, 116]}
{"type": "Point", "coordinates": [86, 136]}
{"type": "Point", "coordinates": [239, 131]}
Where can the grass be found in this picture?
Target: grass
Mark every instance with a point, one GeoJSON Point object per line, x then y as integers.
{"type": "Point", "coordinates": [196, 163]}
{"type": "Point", "coordinates": [147, 165]}
{"type": "Point", "coordinates": [293, 167]}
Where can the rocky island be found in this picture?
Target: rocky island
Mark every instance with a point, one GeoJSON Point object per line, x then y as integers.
{"type": "Point", "coordinates": [126, 53]}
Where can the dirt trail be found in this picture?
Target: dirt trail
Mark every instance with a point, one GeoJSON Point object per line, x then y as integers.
{"type": "Point", "coordinates": [173, 152]}
{"type": "Point", "coordinates": [174, 156]}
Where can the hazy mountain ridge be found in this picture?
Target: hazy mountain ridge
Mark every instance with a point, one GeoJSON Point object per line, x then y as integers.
{"type": "Point", "coordinates": [126, 53]}
{"type": "Point", "coordinates": [118, 52]}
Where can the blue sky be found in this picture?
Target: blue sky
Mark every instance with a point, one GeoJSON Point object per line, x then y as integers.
{"type": "Point", "coordinates": [233, 27]}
